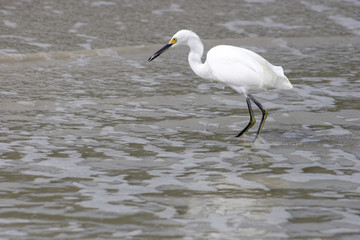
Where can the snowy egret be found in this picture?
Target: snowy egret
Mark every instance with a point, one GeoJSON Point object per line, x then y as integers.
{"type": "Point", "coordinates": [239, 68]}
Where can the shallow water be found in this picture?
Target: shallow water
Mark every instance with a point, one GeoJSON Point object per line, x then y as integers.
{"type": "Point", "coordinates": [97, 143]}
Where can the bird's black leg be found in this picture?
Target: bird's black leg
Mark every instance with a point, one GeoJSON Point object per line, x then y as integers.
{"type": "Point", "coordinates": [264, 114]}
{"type": "Point", "coordinates": [252, 118]}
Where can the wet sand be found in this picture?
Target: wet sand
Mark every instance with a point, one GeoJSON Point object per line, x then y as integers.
{"type": "Point", "coordinates": [99, 143]}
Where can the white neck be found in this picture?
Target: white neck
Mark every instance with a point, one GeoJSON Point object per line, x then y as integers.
{"type": "Point", "coordinates": [194, 58]}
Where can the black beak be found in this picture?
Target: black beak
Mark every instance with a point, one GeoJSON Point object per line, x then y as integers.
{"type": "Point", "coordinates": [163, 49]}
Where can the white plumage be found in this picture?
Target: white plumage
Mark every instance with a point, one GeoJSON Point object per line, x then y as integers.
{"type": "Point", "coordinates": [241, 69]}
{"type": "Point", "coordinates": [244, 69]}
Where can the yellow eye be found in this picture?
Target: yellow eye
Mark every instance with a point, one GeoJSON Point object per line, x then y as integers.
{"type": "Point", "coordinates": [173, 41]}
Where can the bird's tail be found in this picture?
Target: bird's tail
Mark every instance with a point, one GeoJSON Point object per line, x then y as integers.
{"type": "Point", "coordinates": [282, 81]}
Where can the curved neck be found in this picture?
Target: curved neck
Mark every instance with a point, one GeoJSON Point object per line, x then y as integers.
{"type": "Point", "coordinates": [194, 58]}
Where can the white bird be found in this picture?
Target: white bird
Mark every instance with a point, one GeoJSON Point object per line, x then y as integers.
{"type": "Point", "coordinates": [239, 68]}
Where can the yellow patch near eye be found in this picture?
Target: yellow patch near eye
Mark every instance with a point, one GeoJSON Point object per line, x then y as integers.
{"type": "Point", "coordinates": [173, 41]}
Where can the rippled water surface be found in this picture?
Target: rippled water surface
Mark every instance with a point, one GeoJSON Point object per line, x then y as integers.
{"type": "Point", "coordinates": [97, 143]}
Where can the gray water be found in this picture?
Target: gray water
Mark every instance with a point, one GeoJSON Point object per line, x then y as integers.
{"type": "Point", "coordinates": [97, 143]}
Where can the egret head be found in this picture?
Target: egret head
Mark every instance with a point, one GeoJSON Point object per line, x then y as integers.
{"type": "Point", "coordinates": [180, 38]}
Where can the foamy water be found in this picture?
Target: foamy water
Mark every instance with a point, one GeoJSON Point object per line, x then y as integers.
{"type": "Point", "coordinates": [97, 143]}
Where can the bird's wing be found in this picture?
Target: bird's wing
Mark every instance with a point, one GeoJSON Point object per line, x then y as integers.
{"type": "Point", "coordinates": [236, 67]}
